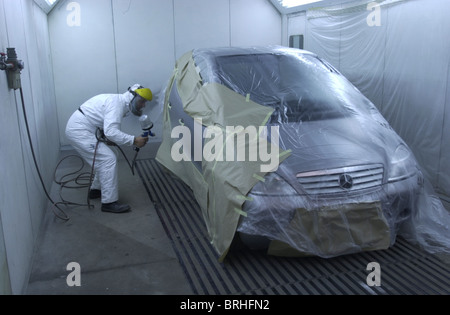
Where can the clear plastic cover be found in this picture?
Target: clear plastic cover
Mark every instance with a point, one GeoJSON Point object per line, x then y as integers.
{"type": "Point", "coordinates": [348, 182]}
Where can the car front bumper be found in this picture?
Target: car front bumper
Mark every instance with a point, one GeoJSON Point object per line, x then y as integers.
{"type": "Point", "coordinates": [329, 226]}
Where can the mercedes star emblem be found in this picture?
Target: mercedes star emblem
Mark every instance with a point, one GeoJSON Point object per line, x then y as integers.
{"type": "Point", "coordinates": [345, 181]}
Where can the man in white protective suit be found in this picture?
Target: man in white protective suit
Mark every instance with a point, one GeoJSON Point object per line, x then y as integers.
{"type": "Point", "coordinates": [104, 113]}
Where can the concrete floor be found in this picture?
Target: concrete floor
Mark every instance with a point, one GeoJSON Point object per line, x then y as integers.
{"type": "Point", "coordinates": [131, 254]}
{"type": "Point", "coordinates": [117, 253]}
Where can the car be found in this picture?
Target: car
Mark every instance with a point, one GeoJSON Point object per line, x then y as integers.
{"type": "Point", "coordinates": [284, 154]}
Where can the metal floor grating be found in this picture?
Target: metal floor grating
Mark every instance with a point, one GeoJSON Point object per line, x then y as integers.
{"type": "Point", "coordinates": [405, 269]}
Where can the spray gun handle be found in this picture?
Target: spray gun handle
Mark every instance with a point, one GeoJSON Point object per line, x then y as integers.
{"type": "Point", "coordinates": [145, 134]}
{"type": "Point", "coordinates": [148, 133]}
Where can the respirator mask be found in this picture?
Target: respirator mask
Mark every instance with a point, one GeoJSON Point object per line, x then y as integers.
{"type": "Point", "coordinates": [141, 96]}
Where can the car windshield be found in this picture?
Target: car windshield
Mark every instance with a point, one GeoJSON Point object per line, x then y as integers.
{"type": "Point", "coordinates": [300, 87]}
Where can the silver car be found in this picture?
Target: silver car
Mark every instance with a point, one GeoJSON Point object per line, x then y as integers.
{"type": "Point", "coordinates": [348, 181]}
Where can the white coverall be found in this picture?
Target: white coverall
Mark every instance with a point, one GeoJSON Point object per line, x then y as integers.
{"type": "Point", "coordinates": [104, 111]}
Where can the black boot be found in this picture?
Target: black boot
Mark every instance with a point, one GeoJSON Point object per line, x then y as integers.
{"type": "Point", "coordinates": [115, 207]}
{"type": "Point", "coordinates": [95, 194]}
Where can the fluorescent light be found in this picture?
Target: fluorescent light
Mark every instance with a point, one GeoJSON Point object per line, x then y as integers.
{"type": "Point", "coordinates": [296, 3]}
{"type": "Point", "coordinates": [46, 5]}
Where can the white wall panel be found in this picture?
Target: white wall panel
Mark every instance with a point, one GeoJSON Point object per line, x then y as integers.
{"type": "Point", "coordinates": [201, 24]}
{"type": "Point", "coordinates": [144, 36]}
{"type": "Point", "coordinates": [23, 26]}
{"type": "Point", "coordinates": [297, 24]}
{"type": "Point", "coordinates": [40, 104]}
{"type": "Point", "coordinates": [254, 23]}
{"type": "Point", "coordinates": [16, 215]}
{"type": "Point", "coordinates": [84, 58]}
{"type": "Point", "coordinates": [7, 143]}
{"type": "Point", "coordinates": [144, 49]}
{"type": "Point", "coordinates": [5, 284]}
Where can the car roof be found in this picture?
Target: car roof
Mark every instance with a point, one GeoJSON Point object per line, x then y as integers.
{"type": "Point", "coordinates": [231, 51]}
{"type": "Point", "coordinates": [206, 59]}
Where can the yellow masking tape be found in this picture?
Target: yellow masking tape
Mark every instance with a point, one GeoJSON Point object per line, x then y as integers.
{"type": "Point", "coordinates": [239, 211]}
{"type": "Point", "coordinates": [240, 197]}
{"type": "Point", "coordinates": [285, 153]}
{"type": "Point", "coordinates": [215, 105]}
{"type": "Point", "coordinates": [260, 178]}
{"type": "Point", "coordinates": [267, 118]}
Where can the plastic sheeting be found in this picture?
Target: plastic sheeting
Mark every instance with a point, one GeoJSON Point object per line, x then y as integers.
{"type": "Point", "coordinates": [398, 54]}
{"type": "Point", "coordinates": [221, 184]}
{"type": "Point", "coordinates": [345, 183]}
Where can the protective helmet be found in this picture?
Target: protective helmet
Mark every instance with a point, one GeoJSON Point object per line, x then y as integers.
{"type": "Point", "coordinates": [145, 93]}
{"type": "Point", "coordinates": [141, 97]}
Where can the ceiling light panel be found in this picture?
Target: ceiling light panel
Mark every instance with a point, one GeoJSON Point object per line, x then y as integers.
{"type": "Point", "coordinates": [294, 6]}
{"type": "Point", "coordinates": [295, 3]}
{"type": "Point", "coordinates": [46, 5]}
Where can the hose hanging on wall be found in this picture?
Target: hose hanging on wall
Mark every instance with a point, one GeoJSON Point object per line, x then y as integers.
{"type": "Point", "coordinates": [63, 216]}
{"type": "Point", "coordinates": [13, 66]}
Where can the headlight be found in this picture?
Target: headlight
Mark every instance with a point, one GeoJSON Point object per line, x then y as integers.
{"type": "Point", "coordinates": [273, 185]}
{"type": "Point", "coordinates": [403, 164]}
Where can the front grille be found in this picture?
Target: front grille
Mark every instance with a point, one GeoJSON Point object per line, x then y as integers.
{"type": "Point", "coordinates": [344, 179]}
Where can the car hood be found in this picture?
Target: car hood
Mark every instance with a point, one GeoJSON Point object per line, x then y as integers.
{"type": "Point", "coordinates": [336, 143]}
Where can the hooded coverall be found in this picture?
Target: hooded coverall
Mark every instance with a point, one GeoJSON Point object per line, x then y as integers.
{"type": "Point", "coordinates": [104, 111]}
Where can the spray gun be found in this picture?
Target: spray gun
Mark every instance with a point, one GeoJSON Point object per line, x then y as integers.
{"type": "Point", "coordinates": [146, 126]}
{"type": "Point", "coordinates": [13, 66]}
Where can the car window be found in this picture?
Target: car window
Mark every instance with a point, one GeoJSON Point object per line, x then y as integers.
{"type": "Point", "coordinates": [299, 87]}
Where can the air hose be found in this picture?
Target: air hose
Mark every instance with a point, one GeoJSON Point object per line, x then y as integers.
{"type": "Point", "coordinates": [63, 215]}
{"type": "Point", "coordinates": [101, 137]}
{"type": "Point", "coordinates": [84, 180]}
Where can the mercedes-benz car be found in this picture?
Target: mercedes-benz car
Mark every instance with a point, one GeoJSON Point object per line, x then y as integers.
{"type": "Point", "coordinates": [344, 181]}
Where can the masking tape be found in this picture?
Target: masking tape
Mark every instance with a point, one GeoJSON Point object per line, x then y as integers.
{"type": "Point", "coordinates": [240, 197]}
{"type": "Point", "coordinates": [260, 178]}
{"type": "Point", "coordinates": [285, 153]}
{"type": "Point", "coordinates": [240, 212]}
